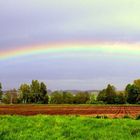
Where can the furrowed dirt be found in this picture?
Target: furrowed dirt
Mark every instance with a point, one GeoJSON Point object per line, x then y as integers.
{"type": "Point", "coordinates": [110, 111]}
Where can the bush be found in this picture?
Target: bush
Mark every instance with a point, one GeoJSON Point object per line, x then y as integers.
{"type": "Point", "coordinates": [138, 117]}
{"type": "Point", "coordinates": [135, 131]}
{"type": "Point", "coordinates": [105, 117]}
{"type": "Point", "coordinates": [97, 102]}
{"type": "Point", "coordinates": [126, 117]}
{"type": "Point", "coordinates": [101, 117]}
{"type": "Point", "coordinates": [98, 117]}
{"type": "Point", "coordinates": [82, 98]}
{"type": "Point", "coordinates": [138, 102]}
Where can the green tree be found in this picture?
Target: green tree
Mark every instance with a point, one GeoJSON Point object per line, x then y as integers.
{"type": "Point", "coordinates": [56, 97]}
{"type": "Point", "coordinates": [82, 98]}
{"type": "Point", "coordinates": [25, 93]}
{"type": "Point", "coordinates": [1, 91]}
{"type": "Point", "coordinates": [10, 97]}
{"type": "Point", "coordinates": [44, 96]}
{"type": "Point", "coordinates": [68, 98]}
{"type": "Point", "coordinates": [35, 86]}
{"type": "Point", "coordinates": [102, 95]}
{"type": "Point", "coordinates": [137, 83]}
{"type": "Point", "coordinates": [92, 99]}
{"type": "Point", "coordinates": [133, 92]}
{"type": "Point", "coordinates": [120, 98]}
{"type": "Point", "coordinates": [35, 91]}
{"type": "Point", "coordinates": [108, 95]}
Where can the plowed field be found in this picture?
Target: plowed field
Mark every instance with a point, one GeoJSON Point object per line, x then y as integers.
{"type": "Point", "coordinates": [111, 111]}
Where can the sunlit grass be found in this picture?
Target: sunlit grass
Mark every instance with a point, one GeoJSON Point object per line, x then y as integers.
{"type": "Point", "coordinates": [67, 128]}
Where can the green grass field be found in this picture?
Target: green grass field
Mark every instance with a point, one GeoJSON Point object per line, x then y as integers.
{"type": "Point", "coordinates": [67, 128]}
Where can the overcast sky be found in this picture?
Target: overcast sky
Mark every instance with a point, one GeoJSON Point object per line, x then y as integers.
{"type": "Point", "coordinates": [24, 23]}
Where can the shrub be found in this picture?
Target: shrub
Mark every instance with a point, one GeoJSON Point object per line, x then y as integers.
{"type": "Point", "coordinates": [105, 117]}
{"type": "Point", "coordinates": [126, 117]}
{"type": "Point", "coordinates": [101, 117]}
{"type": "Point", "coordinates": [98, 117]}
{"type": "Point", "coordinates": [138, 117]}
{"type": "Point", "coordinates": [135, 131]}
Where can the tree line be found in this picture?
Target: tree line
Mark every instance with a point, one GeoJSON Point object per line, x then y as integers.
{"type": "Point", "coordinates": [36, 92]}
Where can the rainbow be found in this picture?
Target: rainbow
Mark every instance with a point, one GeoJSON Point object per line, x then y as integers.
{"type": "Point", "coordinates": [55, 48]}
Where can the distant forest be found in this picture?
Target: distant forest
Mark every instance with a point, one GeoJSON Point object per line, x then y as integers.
{"type": "Point", "coordinates": [37, 93]}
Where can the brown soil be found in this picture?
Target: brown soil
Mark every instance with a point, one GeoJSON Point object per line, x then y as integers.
{"type": "Point", "coordinates": [110, 111]}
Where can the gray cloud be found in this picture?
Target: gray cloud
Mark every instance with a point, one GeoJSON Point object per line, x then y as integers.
{"type": "Point", "coordinates": [41, 21]}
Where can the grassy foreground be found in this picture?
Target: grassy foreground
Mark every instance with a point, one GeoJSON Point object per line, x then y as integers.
{"type": "Point", "coordinates": [67, 128]}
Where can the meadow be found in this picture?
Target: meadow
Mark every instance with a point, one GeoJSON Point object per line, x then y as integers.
{"type": "Point", "coordinates": [41, 127]}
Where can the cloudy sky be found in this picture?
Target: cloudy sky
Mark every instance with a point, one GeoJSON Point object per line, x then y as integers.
{"type": "Point", "coordinates": [34, 22]}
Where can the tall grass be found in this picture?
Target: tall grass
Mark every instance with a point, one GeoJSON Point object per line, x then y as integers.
{"type": "Point", "coordinates": [67, 128]}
